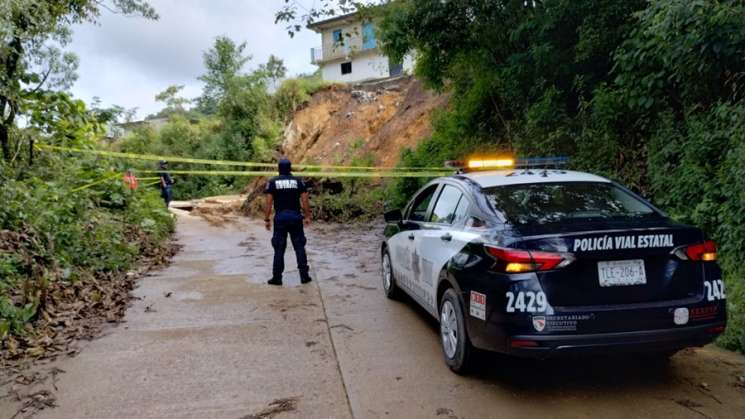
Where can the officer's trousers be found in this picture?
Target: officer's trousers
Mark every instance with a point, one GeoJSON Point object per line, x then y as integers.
{"type": "Point", "coordinates": [291, 224]}
{"type": "Point", "coordinates": [166, 193]}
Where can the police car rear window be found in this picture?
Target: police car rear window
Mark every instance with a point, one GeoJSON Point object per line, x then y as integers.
{"type": "Point", "coordinates": [541, 203]}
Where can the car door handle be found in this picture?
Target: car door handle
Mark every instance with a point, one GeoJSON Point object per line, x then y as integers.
{"type": "Point", "coordinates": [411, 236]}
{"type": "Point", "coordinates": [446, 237]}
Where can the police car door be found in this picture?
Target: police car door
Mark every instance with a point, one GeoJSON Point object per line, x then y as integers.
{"type": "Point", "coordinates": [404, 259]}
{"type": "Point", "coordinates": [441, 238]}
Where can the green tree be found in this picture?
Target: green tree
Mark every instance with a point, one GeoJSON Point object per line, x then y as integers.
{"type": "Point", "coordinates": [274, 69]}
{"type": "Point", "coordinates": [174, 103]}
{"type": "Point", "coordinates": [33, 34]}
{"type": "Point", "coordinates": [295, 16]}
{"type": "Point", "coordinates": [111, 114]}
{"type": "Point", "coordinates": [242, 109]}
{"type": "Point", "coordinates": [223, 62]}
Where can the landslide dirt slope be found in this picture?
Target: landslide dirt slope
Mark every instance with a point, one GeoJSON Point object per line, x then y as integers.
{"type": "Point", "coordinates": [378, 120]}
{"type": "Point", "coordinates": [344, 122]}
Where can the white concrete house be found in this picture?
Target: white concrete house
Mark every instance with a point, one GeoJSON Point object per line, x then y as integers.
{"type": "Point", "coordinates": [349, 51]}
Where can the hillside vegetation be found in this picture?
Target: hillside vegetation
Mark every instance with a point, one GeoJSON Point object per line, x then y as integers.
{"type": "Point", "coordinates": [68, 253]}
{"type": "Point", "coordinates": [60, 247]}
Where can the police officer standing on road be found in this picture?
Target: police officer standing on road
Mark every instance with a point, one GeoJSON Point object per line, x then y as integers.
{"type": "Point", "coordinates": [285, 193]}
{"type": "Point", "coordinates": [165, 182]}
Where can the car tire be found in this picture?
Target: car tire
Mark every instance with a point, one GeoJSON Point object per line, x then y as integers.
{"type": "Point", "coordinates": [390, 287]}
{"type": "Point", "coordinates": [456, 347]}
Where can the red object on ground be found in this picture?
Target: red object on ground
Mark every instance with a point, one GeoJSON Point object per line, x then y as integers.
{"type": "Point", "coordinates": [130, 181]}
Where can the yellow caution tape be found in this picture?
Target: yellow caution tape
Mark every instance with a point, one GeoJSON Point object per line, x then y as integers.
{"type": "Point", "coordinates": [299, 174]}
{"type": "Point", "coordinates": [105, 178]}
{"type": "Point", "coordinates": [175, 159]}
{"type": "Point", "coordinates": [102, 180]}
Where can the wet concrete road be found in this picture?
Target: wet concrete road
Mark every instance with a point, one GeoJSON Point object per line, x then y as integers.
{"type": "Point", "coordinates": [207, 339]}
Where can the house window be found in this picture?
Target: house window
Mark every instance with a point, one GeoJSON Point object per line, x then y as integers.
{"type": "Point", "coordinates": [336, 36]}
{"type": "Point", "coordinates": [395, 68]}
{"type": "Point", "coordinates": [368, 36]}
{"type": "Point", "coordinates": [346, 68]}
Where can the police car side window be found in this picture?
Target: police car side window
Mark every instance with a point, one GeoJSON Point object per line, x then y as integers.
{"type": "Point", "coordinates": [445, 208]}
{"type": "Point", "coordinates": [461, 212]}
{"type": "Point", "coordinates": [418, 210]}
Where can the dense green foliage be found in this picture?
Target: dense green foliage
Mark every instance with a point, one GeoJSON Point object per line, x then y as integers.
{"type": "Point", "coordinates": [52, 232]}
{"type": "Point", "coordinates": [646, 92]}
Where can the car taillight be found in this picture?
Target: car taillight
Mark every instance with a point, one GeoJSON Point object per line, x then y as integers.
{"type": "Point", "coordinates": [717, 329]}
{"type": "Point", "coordinates": [516, 260]}
{"type": "Point", "coordinates": [523, 343]}
{"type": "Point", "coordinates": [706, 251]}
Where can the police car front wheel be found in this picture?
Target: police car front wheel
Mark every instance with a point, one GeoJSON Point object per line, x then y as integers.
{"type": "Point", "coordinates": [455, 344]}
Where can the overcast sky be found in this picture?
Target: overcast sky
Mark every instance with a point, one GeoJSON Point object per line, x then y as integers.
{"type": "Point", "coordinates": [127, 61]}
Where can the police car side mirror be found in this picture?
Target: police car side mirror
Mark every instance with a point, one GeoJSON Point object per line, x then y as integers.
{"type": "Point", "coordinates": [393, 216]}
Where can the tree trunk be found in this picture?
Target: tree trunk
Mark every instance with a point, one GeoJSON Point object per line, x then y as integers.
{"type": "Point", "coordinates": [5, 141]}
{"type": "Point", "coordinates": [31, 152]}
{"type": "Point", "coordinates": [6, 123]}
{"type": "Point", "coordinates": [15, 49]}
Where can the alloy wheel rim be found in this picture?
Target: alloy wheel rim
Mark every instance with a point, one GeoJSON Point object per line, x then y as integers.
{"type": "Point", "coordinates": [386, 272]}
{"type": "Point", "coordinates": [449, 329]}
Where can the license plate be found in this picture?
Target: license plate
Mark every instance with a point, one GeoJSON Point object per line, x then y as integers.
{"type": "Point", "coordinates": [621, 273]}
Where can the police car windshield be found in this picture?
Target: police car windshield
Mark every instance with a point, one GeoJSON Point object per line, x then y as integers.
{"type": "Point", "coordinates": [541, 203]}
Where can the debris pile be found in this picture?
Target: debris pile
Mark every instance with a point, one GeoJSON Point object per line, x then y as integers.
{"type": "Point", "coordinates": [216, 210]}
{"type": "Point", "coordinates": [364, 96]}
{"type": "Point", "coordinates": [74, 307]}
{"type": "Point", "coordinates": [371, 121]}
{"type": "Point", "coordinates": [377, 120]}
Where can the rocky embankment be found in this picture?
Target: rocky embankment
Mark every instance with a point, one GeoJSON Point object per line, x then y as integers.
{"type": "Point", "coordinates": [344, 123]}
{"type": "Point", "coordinates": [341, 123]}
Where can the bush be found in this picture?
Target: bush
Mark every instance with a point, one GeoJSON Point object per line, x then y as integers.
{"type": "Point", "coordinates": [346, 199]}
{"type": "Point", "coordinates": [50, 232]}
{"type": "Point", "coordinates": [193, 138]}
{"type": "Point", "coordinates": [696, 174]}
{"type": "Point", "coordinates": [293, 93]}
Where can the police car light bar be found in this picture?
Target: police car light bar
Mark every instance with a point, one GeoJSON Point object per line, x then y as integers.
{"type": "Point", "coordinates": [490, 163]}
{"type": "Point", "coordinates": [507, 163]}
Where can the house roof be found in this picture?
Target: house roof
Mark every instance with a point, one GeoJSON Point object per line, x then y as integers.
{"type": "Point", "coordinates": [325, 24]}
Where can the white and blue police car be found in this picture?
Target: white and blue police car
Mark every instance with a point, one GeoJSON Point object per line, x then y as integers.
{"type": "Point", "coordinates": [527, 259]}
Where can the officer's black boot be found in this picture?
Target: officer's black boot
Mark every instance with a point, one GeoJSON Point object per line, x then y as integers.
{"type": "Point", "coordinates": [274, 281]}
{"type": "Point", "coordinates": [304, 279]}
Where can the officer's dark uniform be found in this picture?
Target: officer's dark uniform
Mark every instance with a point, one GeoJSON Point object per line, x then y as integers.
{"type": "Point", "coordinates": [165, 183]}
{"type": "Point", "coordinates": [288, 219]}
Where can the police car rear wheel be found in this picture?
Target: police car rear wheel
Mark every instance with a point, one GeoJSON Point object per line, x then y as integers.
{"type": "Point", "coordinates": [389, 281]}
{"type": "Point", "coordinates": [455, 344]}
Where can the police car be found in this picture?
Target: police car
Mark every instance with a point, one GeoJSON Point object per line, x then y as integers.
{"type": "Point", "coordinates": [538, 261]}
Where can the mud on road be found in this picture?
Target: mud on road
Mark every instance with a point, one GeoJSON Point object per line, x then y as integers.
{"type": "Point", "coordinates": [207, 338]}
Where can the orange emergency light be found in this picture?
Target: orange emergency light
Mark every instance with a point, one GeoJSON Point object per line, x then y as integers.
{"type": "Point", "coordinates": [491, 163]}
